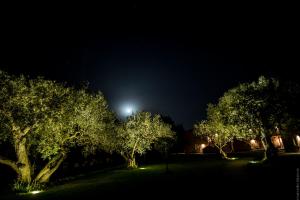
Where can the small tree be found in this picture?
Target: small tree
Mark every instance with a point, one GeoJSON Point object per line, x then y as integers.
{"type": "Point", "coordinates": [216, 129]}
{"type": "Point", "coordinates": [139, 133]}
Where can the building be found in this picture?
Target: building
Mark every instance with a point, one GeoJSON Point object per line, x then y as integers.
{"type": "Point", "coordinates": [199, 144]}
{"type": "Point", "coordinates": [194, 144]}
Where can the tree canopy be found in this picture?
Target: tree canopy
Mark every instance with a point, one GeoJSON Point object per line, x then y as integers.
{"type": "Point", "coordinates": [139, 133]}
{"type": "Point", "coordinates": [253, 109]}
{"type": "Point", "coordinates": [46, 119]}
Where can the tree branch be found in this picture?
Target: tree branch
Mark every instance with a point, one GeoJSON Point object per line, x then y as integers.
{"type": "Point", "coordinates": [10, 163]}
{"type": "Point", "coordinates": [71, 137]}
{"type": "Point", "coordinates": [63, 157]}
{"type": "Point", "coordinates": [133, 150]}
{"type": "Point", "coordinates": [51, 166]}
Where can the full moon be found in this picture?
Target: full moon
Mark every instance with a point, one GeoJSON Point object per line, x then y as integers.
{"type": "Point", "coordinates": [127, 109]}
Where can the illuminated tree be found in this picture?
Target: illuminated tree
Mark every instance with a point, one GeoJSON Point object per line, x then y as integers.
{"type": "Point", "coordinates": [82, 121]}
{"type": "Point", "coordinates": [139, 133]}
{"type": "Point", "coordinates": [217, 130]}
{"type": "Point", "coordinates": [255, 109]}
{"type": "Point", "coordinates": [45, 119]}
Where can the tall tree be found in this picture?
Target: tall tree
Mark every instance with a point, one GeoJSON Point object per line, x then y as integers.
{"type": "Point", "coordinates": [45, 119]}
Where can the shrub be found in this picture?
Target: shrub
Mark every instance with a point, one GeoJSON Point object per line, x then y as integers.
{"type": "Point", "coordinates": [21, 187]}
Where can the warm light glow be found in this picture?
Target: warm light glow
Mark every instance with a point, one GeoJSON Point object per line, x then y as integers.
{"type": "Point", "coordinates": [35, 192]}
{"type": "Point", "coordinates": [208, 139]}
{"type": "Point", "coordinates": [216, 135]}
{"type": "Point", "coordinates": [298, 140]}
{"type": "Point", "coordinates": [252, 141]}
{"type": "Point", "coordinates": [142, 168]}
{"type": "Point", "coordinates": [202, 146]}
{"type": "Point", "coordinates": [276, 141]}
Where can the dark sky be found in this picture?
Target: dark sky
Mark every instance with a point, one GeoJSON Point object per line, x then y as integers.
{"type": "Point", "coordinates": [165, 59]}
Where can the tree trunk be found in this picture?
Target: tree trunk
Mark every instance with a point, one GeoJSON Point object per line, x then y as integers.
{"type": "Point", "coordinates": [289, 143]}
{"type": "Point", "coordinates": [131, 162]}
{"type": "Point", "coordinates": [232, 146]}
{"type": "Point", "coordinates": [296, 144]}
{"type": "Point", "coordinates": [224, 155]}
{"type": "Point", "coordinates": [270, 150]}
{"type": "Point", "coordinates": [265, 157]}
{"type": "Point", "coordinates": [23, 163]}
{"type": "Point", "coordinates": [45, 174]}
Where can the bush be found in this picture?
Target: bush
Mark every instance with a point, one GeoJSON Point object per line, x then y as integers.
{"type": "Point", "coordinates": [21, 187]}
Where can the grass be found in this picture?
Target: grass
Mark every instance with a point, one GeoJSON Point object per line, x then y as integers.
{"type": "Point", "coordinates": [189, 177]}
{"type": "Point", "coordinates": [20, 187]}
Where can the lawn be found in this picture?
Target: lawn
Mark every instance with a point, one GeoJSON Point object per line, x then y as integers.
{"type": "Point", "coordinates": [195, 176]}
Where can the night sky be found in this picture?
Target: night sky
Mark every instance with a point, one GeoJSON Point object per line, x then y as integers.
{"type": "Point", "coordinates": [172, 63]}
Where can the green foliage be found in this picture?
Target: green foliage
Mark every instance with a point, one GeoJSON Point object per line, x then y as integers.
{"type": "Point", "coordinates": [242, 111]}
{"type": "Point", "coordinates": [261, 106]}
{"type": "Point", "coordinates": [81, 120]}
{"type": "Point", "coordinates": [56, 117]}
{"type": "Point", "coordinates": [250, 110]}
{"type": "Point", "coordinates": [216, 129]}
{"type": "Point", "coordinates": [46, 119]}
{"type": "Point", "coordinates": [140, 132]}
